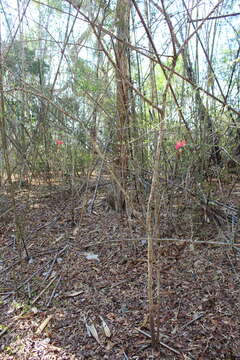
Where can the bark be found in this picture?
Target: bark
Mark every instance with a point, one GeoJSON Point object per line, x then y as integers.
{"type": "Point", "coordinates": [122, 101]}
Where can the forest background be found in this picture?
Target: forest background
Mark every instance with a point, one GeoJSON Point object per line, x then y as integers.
{"type": "Point", "coordinates": [131, 103]}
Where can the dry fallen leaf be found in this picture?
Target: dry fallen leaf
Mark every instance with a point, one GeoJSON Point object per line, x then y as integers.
{"type": "Point", "coordinates": [106, 329]}
{"type": "Point", "coordinates": [144, 322]}
{"type": "Point", "coordinates": [75, 230]}
{"type": "Point", "coordinates": [110, 345]}
{"type": "Point", "coordinates": [74, 293]}
{"type": "Point", "coordinates": [43, 325]}
{"type": "Point", "coordinates": [92, 330]}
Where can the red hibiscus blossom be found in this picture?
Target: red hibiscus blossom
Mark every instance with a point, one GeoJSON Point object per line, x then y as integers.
{"type": "Point", "coordinates": [180, 144]}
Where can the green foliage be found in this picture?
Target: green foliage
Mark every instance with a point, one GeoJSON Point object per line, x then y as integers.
{"type": "Point", "coordinates": [77, 159]}
{"type": "Point", "coordinates": [52, 6]}
{"type": "Point", "coordinates": [22, 60]}
{"type": "Point", "coordinates": [85, 78]}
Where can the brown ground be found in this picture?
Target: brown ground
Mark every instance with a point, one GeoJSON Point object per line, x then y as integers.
{"type": "Point", "coordinates": [57, 303]}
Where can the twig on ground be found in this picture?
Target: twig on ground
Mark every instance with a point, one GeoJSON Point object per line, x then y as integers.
{"type": "Point", "coordinates": [54, 260]}
{"type": "Point", "coordinates": [160, 342]}
{"type": "Point", "coordinates": [25, 310]}
{"type": "Point", "coordinates": [43, 290]}
{"type": "Point", "coordinates": [192, 321]}
{"type": "Point", "coordinates": [53, 292]}
{"type": "Point", "coordinates": [24, 282]}
{"type": "Point", "coordinates": [233, 267]}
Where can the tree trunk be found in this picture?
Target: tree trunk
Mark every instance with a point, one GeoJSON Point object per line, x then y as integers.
{"type": "Point", "coordinates": [121, 146]}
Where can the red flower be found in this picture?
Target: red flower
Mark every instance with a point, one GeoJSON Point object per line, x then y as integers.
{"type": "Point", "coordinates": [59, 142]}
{"type": "Point", "coordinates": [180, 144]}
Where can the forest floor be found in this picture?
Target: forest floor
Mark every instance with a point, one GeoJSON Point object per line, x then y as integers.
{"type": "Point", "coordinates": [82, 292]}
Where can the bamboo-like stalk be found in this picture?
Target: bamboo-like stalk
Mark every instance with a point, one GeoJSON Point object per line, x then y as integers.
{"type": "Point", "coordinates": [3, 133]}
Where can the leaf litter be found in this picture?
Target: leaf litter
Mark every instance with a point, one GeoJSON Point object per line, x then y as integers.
{"type": "Point", "coordinates": [86, 282]}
